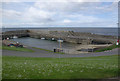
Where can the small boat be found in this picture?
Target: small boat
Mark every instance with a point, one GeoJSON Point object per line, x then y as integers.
{"type": "Point", "coordinates": [53, 38]}
{"type": "Point", "coordinates": [8, 38]}
{"type": "Point", "coordinates": [14, 37]}
{"type": "Point", "coordinates": [60, 40]}
{"type": "Point", "coordinates": [42, 38]}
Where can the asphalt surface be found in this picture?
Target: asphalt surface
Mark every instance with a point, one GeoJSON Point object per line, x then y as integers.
{"type": "Point", "coordinates": [42, 53]}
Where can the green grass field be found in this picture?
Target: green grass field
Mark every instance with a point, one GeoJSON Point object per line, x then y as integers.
{"type": "Point", "coordinates": [108, 48]}
{"type": "Point", "coordinates": [60, 68]}
{"type": "Point", "coordinates": [0, 67]}
{"type": "Point", "coordinates": [16, 49]}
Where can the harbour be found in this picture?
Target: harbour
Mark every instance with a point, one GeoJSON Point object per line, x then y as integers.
{"type": "Point", "coordinates": [72, 42]}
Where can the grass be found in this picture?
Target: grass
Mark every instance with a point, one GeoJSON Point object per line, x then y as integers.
{"type": "Point", "coordinates": [48, 50]}
{"type": "Point", "coordinates": [17, 49]}
{"type": "Point", "coordinates": [60, 68]}
{"type": "Point", "coordinates": [0, 67]}
{"type": "Point", "coordinates": [108, 48]}
{"type": "Point", "coordinates": [25, 49]}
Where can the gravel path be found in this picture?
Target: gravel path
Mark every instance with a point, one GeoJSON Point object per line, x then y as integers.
{"type": "Point", "coordinates": [42, 53]}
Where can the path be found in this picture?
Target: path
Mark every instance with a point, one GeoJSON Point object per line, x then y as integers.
{"type": "Point", "coordinates": [42, 53]}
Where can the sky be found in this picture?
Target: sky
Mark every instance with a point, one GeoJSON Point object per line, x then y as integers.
{"type": "Point", "coordinates": [59, 14]}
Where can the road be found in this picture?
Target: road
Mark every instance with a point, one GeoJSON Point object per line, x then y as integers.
{"type": "Point", "coordinates": [42, 53]}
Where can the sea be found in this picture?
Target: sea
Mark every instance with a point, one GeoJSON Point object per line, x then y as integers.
{"type": "Point", "coordinates": [101, 31]}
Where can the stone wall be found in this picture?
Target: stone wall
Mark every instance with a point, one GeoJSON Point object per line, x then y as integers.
{"type": "Point", "coordinates": [18, 33]}
{"type": "Point", "coordinates": [73, 37]}
{"type": "Point", "coordinates": [66, 36]}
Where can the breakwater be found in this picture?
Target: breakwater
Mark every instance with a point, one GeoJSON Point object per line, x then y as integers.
{"type": "Point", "coordinates": [73, 37]}
{"type": "Point", "coordinates": [17, 33]}
{"type": "Point", "coordinates": [66, 36]}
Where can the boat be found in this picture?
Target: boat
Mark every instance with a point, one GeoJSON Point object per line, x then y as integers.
{"type": "Point", "coordinates": [53, 38]}
{"type": "Point", "coordinates": [60, 40]}
{"type": "Point", "coordinates": [14, 37]}
{"type": "Point", "coordinates": [42, 38]}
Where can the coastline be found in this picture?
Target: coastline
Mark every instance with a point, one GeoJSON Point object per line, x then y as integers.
{"type": "Point", "coordinates": [86, 42]}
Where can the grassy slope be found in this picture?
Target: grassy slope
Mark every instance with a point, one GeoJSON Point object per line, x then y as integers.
{"type": "Point", "coordinates": [0, 67]}
{"type": "Point", "coordinates": [17, 49]}
{"type": "Point", "coordinates": [25, 49]}
{"type": "Point", "coordinates": [108, 48]}
{"type": "Point", "coordinates": [60, 68]}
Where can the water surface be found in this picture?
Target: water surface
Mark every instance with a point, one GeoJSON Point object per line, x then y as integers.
{"type": "Point", "coordinates": [101, 31]}
{"type": "Point", "coordinates": [45, 44]}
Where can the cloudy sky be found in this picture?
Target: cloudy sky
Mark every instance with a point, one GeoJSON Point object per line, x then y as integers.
{"type": "Point", "coordinates": [59, 14]}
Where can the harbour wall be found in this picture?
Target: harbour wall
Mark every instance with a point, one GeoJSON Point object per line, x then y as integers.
{"type": "Point", "coordinates": [18, 33]}
{"type": "Point", "coordinates": [73, 37]}
{"type": "Point", "coordinates": [66, 36]}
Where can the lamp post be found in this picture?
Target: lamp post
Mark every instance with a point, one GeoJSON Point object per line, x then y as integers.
{"type": "Point", "coordinates": [60, 43]}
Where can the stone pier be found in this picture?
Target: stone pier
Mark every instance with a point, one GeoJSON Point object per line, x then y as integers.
{"type": "Point", "coordinates": [73, 37]}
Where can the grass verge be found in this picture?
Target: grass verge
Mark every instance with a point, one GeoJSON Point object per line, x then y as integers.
{"type": "Point", "coordinates": [108, 48]}
{"type": "Point", "coordinates": [16, 49]}
{"type": "Point", "coordinates": [60, 68]}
